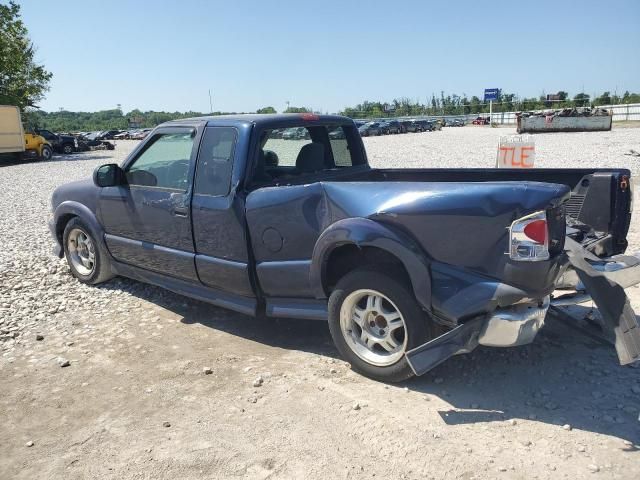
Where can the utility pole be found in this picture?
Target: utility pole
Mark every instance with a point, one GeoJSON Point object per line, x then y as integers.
{"type": "Point", "coordinates": [287, 102]}
{"type": "Point", "coordinates": [210, 102]}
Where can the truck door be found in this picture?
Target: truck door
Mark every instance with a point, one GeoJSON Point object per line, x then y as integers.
{"type": "Point", "coordinates": [222, 257]}
{"type": "Point", "coordinates": [147, 221]}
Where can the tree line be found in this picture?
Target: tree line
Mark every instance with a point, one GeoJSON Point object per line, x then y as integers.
{"type": "Point", "coordinates": [116, 119]}
{"type": "Point", "coordinates": [453, 104]}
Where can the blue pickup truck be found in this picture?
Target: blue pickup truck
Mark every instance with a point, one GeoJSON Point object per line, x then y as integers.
{"type": "Point", "coordinates": [409, 266]}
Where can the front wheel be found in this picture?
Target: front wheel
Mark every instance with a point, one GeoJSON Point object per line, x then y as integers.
{"type": "Point", "coordinates": [374, 320]}
{"type": "Point", "coordinates": [67, 149]}
{"type": "Point", "coordinates": [46, 153]}
{"type": "Point", "coordinates": [88, 262]}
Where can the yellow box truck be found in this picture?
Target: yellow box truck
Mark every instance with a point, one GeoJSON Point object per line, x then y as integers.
{"type": "Point", "coordinates": [16, 144]}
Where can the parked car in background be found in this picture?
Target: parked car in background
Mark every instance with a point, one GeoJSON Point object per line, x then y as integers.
{"type": "Point", "coordinates": [455, 122]}
{"type": "Point", "coordinates": [394, 126]}
{"type": "Point", "coordinates": [125, 135]}
{"type": "Point", "coordinates": [60, 143]}
{"type": "Point", "coordinates": [384, 128]}
{"type": "Point", "coordinates": [141, 134]}
{"type": "Point", "coordinates": [277, 133]}
{"type": "Point", "coordinates": [109, 134]}
{"type": "Point", "coordinates": [295, 134]}
{"type": "Point", "coordinates": [404, 125]}
{"type": "Point", "coordinates": [420, 126]}
{"type": "Point", "coordinates": [336, 134]}
{"type": "Point", "coordinates": [370, 129]}
{"type": "Point", "coordinates": [481, 121]}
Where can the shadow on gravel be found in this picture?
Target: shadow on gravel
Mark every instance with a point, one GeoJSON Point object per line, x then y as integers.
{"type": "Point", "coordinates": [291, 334]}
{"type": "Point", "coordinates": [562, 378]}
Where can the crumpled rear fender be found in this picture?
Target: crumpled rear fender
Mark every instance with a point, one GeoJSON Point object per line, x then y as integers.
{"type": "Point", "coordinates": [363, 232]}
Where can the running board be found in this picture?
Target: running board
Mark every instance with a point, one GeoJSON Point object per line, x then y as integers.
{"type": "Point", "coordinates": [303, 308]}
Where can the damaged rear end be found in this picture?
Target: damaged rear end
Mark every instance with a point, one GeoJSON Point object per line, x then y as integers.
{"type": "Point", "coordinates": [575, 243]}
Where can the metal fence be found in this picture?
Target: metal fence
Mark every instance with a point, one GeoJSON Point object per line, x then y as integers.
{"type": "Point", "coordinates": [621, 113]}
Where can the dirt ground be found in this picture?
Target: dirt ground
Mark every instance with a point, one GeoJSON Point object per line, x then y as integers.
{"type": "Point", "coordinates": [160, 386]}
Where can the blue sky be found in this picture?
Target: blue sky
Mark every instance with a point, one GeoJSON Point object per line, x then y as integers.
{"type": "Point", "coordinates": [328, 54]}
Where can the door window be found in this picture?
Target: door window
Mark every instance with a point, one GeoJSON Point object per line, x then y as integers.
{"type": "Point", "coordinates": [215, 161]}
{"type": "Point", "coordinates": [164, 163]}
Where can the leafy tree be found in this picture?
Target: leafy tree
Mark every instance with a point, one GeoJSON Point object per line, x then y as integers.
{"type": "Point", "coordinates": [22, 81]}
{"type": "Point", "coordinates": [604, 99]}
{"type": "Point", "coordinates": [581, 100]}
{"type": "Point", "coordinates": [266, 110]}
{"type": "Point", "coordinates": [297, 110]}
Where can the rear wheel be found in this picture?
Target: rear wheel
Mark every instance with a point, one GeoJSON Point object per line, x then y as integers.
{"type": "Point", "coordinates": [374, 320]}
{"type": "Point", "coordinates": [67, 149]}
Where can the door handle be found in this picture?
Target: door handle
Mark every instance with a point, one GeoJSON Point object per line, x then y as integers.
{"type": "Point", "coordinates": [180, 211]}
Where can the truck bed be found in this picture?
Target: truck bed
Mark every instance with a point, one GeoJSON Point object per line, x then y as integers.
{"type": "Point", "coordinates": [598, 211]}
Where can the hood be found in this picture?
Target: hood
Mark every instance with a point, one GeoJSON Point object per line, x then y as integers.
{"type": "Point", "coordinates": [81, 191]}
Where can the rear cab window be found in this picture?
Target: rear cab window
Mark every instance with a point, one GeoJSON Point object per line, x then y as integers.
{"type": "Point", "coordinates": [285, 155]}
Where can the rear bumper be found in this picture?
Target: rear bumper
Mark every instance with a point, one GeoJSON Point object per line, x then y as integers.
{"type": "Point", "coordinates": [602, 280]}
{"type": "Point", "coordinates": [515, 325]}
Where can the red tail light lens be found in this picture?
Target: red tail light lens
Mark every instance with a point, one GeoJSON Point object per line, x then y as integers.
{"type": "Point", "coordinates": [529, 238]}
{"type": "Point", "coordinates": [536, 231]}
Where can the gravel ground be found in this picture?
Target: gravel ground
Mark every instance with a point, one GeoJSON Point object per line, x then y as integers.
{"type": "Point", "coordinates": [126, 380]}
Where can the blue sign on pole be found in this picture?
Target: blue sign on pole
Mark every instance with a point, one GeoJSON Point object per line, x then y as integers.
{"type": "Point", "coordinates": [491, 94]}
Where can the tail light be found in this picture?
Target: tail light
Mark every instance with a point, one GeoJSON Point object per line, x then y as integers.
{"type": "Point", "coordinates": [529, 238]}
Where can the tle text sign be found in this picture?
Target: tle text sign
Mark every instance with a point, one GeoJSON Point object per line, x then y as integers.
{"type": "Point", "coordinates": [516, 151]}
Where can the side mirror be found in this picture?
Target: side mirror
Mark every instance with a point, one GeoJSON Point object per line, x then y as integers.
{"type": "Point", "coordinates": [109, 175]}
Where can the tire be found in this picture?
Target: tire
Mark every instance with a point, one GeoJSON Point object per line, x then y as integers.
{"type": "Point", "coordinates": [346, 304]}
{"type": "Point", "coordinates": [46, 153]}
{"type": "Point", "coordinates": [89, 264]}
{"type": "Point", "coordinates": [67, 149]}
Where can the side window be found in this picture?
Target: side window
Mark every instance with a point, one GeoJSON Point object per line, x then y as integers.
{"type": "Point", "coordinates": [164, 163]}
{"type": "Point", "coordinates": [215, 161]}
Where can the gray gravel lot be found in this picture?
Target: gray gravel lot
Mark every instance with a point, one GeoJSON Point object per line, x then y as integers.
{"type": "Point", "coordinates": [159, 386]}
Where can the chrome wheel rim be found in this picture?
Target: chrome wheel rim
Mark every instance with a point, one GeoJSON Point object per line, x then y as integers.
{"type": "Point", "coordinates": [82, 252]}
{"type": "Point", "coordinates": [373, 327]}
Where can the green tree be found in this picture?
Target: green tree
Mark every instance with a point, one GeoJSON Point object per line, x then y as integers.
{"type": "Point", "coordinates": [266, 110]}
{"type": "Point", "coordinates": [22, 81]}
{"type": "Point", "coordinates": [581, 100]}
{"type": "Point", "coordinates": [297, 110]}
{"type": "Point", "coordinates": [604, 99]}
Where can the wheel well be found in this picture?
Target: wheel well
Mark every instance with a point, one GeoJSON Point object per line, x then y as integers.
{"type": "Point", "coordinates": [62, 223]}
{"type": "Point", "coordinates": [346, 258]}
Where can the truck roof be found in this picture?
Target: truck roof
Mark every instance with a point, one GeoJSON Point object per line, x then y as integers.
{"type": "Point", "coordinates": [281, 119]}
